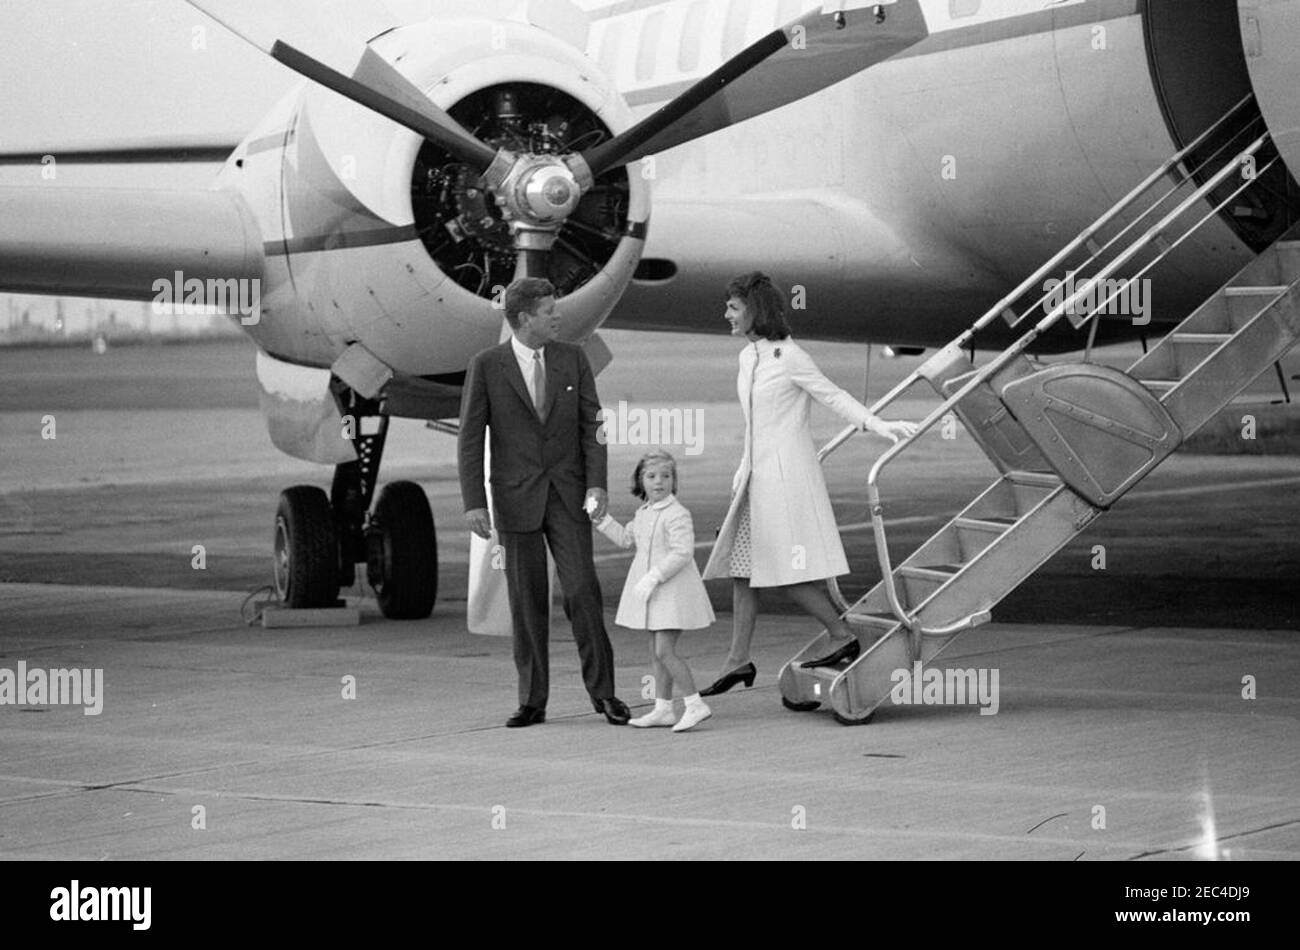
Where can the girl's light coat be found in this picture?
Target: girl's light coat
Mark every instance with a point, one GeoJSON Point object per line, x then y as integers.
{"type": "Point", "coordinates": [664, 537]}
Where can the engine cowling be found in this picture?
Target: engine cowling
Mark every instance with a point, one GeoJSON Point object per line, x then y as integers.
{"type": "Point", "coordinates": [375, 238]}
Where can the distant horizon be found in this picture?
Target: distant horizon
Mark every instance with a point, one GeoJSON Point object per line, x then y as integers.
{"type": "Point", "coordinates": [84, 318]}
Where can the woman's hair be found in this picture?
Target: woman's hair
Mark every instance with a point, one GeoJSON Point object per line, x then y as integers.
{"type": "Point", "coordinates": [650, 458]}
{"type": "Point", "coordinates": [766, 303]}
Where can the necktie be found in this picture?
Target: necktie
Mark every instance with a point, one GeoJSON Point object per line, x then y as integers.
{"type": "Point", "coordinates": [539, 385]}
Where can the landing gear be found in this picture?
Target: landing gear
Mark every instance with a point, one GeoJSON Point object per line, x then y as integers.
{"type": "Point", "coordinates": [402, 553]}
{"type": "Point", "coordinates": [320, 539]}
{"type": "Point", "coordinates": [306, 552]}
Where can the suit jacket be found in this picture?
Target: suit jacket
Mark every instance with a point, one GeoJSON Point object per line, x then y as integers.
{"type": "Point", "coordinates": [528, 455]}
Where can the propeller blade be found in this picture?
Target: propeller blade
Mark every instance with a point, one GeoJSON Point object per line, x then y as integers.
{"type": "Point", "coordinates": [813, 52]}
{"type": "Point", "coordinates": [377, 86]}
{"type": "Point", "coordinates": [353, 70]}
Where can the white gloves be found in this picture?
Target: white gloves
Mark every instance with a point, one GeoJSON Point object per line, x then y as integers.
{"type": "Point", "coordinates": [646, 585]}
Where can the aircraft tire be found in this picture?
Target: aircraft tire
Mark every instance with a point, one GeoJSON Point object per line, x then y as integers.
{"type": "Point", "coordinates": [403, 553]}
{"type": "Point", "coordinates": [306, 551]}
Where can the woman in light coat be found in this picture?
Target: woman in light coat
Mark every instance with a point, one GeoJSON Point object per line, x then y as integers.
{"type": "Point", "coordinates": [780, 530]}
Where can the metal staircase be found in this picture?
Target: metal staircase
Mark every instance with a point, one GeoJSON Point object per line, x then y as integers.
{"type": "Point", "coordinates": [1068, 440]}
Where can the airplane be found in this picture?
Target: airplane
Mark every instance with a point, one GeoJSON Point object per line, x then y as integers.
{"type": "Point", "coordinates": [902, 163]}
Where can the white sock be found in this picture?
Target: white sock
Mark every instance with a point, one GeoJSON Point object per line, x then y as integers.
{"type": "Point", "coordinates": [694, 700]}
{"type": "Point", "coordinates": [664, 705]}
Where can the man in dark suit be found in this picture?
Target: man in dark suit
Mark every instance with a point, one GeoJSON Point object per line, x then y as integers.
{"type": "Point", "coordinates": [538, 397]}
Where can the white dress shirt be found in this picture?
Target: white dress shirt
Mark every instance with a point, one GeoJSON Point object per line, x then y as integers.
{"type": "Point", "coordinates": [524, 354]}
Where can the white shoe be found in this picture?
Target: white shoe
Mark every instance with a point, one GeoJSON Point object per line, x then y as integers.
{"type": "Point", "coordinates": [693, 716]}
{"type": "Point", "coordinates": [656, 717]}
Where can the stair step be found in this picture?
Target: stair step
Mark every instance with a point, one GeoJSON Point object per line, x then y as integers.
{"type": "Point", "coordinates": [880, 621]}
{"type": "Point", "coordinates": [1036, 479]}
{"type": "Point", "coordinates": [945, 569]}
{"type": "Point", "coordinates": [937, 573]}
{"type": "Point", "coordinates": [1275, 290]}
{"type": "Point", "coordinates": [1160, 386]}
{"type": "Point", "coordinates": [992, 525]}
{"type": "Point", "coordinates": [1201, 339]}
{"type": "Point", "coordinates": [823, 673]}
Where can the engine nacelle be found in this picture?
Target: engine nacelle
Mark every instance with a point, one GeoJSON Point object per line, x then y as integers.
{"type": "Point", "coordinates": [371, 239]}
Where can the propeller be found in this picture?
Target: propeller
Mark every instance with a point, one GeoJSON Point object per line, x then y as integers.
{"type": "Point", "coordinates": [538, 193]}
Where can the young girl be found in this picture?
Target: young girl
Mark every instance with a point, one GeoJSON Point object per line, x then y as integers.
{"type": "Point", "coordinates": [663, 593]}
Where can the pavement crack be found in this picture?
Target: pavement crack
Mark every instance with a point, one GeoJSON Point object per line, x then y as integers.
{"type": "Point", "coordinates": [1221, 838]}
{"type": "Point", "coordinates": [1064, 814]}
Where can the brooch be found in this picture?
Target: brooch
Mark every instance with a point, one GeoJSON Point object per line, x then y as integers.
{"type": "Point", "coordinates": [778, 352]}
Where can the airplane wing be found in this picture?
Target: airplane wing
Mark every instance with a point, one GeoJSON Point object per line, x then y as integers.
{"type": "Point", "coordinates": [118, 242]}
{"type": "Point", "coordinates": [193, 148]}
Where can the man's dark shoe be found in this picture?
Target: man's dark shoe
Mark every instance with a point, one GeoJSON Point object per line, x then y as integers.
{"type": "Point", "coordinates": [615, 710]}
{"type": "Point", "coordinates": [526, 716]}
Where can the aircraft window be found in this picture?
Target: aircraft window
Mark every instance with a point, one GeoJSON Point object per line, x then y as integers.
{"type": "Point", "coordinates": [688, 57]}
{"type": "Point", "coordinates": [735, 28]}
{"type": "Point", "coordinates": [647, 57]}
{"type": "Point", "coordinates": [611, 45]}
{"type": "Point", "coordinates": [961, 8]}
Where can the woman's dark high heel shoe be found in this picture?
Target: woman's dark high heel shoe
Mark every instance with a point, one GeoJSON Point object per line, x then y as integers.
{"type": "Point", "coordinates": [844, 654]}
{"type": "Point", "coordinates": [724, 683]}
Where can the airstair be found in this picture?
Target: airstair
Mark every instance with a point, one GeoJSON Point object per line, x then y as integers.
{"type": "Point", "coordinates": [1068, 440]}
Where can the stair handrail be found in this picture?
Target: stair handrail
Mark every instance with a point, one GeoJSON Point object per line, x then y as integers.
{"type": "Point", "coordinates": [1005, 303]}
{"type": "Point", "coordinates": [1156, 230]}
{"type": "Point", "coordinates": [1093, 316]}
{"type": "Point", "coordinates": [997, 364]}
{"type": "Point", "coordinates": [1120, 235]}
{"type": "Point", "coordinates": [1049, 267]}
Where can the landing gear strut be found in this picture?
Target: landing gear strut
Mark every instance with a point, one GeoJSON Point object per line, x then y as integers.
{"type": "Point", "coordinates": [320, 539]}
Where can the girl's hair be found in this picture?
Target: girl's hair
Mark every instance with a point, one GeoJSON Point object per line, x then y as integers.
{"type": "Point", "coordinates": [765, 302]}
{"type": "Point", "coordinates": [650, 458]}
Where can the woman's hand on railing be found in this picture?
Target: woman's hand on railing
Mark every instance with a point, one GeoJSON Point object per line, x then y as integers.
{"type": "Point", "coordinates": [893, 431]}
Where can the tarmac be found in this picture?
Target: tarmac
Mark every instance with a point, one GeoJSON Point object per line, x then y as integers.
{"type": "Point", "coordinates": [1147, 707]}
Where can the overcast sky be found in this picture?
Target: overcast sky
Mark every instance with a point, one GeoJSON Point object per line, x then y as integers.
{"type": "Point", "coordinates": [77, 70]}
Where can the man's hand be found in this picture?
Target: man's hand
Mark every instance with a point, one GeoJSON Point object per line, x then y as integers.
{"type": "Point", "coordinates": [480, 522]}
{"type": "Point", "coordinates": [601, 498]}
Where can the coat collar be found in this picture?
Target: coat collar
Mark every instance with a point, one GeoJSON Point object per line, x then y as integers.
{"type": "Point", "coordinates": [661, 505]}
